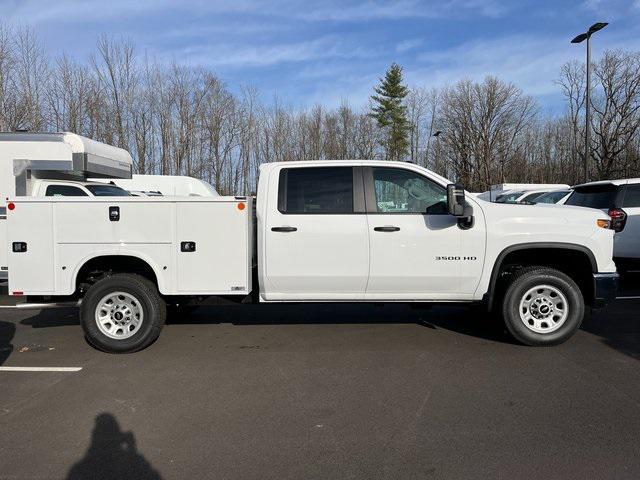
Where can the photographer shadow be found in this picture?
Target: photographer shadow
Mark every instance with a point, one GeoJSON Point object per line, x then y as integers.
{"type": "Point", "coordinates": [112, 454]}
{"type": "Point", "coordinates": [7, 331]}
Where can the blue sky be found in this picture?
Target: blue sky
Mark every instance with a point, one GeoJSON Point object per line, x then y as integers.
{"type": "Point", "coordinates": [307, 52]}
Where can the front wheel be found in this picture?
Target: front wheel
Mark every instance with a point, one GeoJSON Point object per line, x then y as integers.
{"type": "Point", "coordinates": [542, 306]}
{"type": "Point", "coordinates": [122, 313]}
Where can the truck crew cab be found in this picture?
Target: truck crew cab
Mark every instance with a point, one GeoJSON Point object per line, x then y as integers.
{"type": "Point", "coordinates": [327, 231]}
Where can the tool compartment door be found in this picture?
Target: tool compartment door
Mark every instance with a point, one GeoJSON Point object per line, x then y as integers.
{"type": "Point", "coordinates": [4, 250]}
{"type": "Point", "coordinates": [213, 247]}
{"type": "Point", "coordinates": [31, 271]}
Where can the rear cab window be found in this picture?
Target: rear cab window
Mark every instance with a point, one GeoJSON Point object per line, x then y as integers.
{"type": "Point", "coordinates": [316, 190]}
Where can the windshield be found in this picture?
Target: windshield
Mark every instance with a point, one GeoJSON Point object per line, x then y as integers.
{"type": "Point", "coordinates": [532, 197]}
{"type": "Point", "coordinates": [552, 197]}
{"type": "Point", "coordinates": [107, 191]}
{"type": "Point", "coordinates": [510, 197]}
{"type": "Point", "coordinates": [596, 196]}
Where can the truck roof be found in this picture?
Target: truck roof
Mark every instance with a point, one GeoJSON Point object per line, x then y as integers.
{"type": "Point", "coordinates": [346, 163]}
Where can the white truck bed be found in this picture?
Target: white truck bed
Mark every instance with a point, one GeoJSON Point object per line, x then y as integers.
{"type": "Point", "coordinates": [63, 233]}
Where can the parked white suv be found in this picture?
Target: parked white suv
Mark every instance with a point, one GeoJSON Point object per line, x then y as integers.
{"type": "Point", "coordinates": [621, 200]}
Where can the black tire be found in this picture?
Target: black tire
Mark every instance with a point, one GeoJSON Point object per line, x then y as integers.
{"type": "Point", "coordinates": [529, 278]}
{"type": "Point", "coordinates": [150, 302]}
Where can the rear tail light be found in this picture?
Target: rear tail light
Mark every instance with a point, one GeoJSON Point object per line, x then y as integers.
{"type": "Point", "coordinates": [618, 219]}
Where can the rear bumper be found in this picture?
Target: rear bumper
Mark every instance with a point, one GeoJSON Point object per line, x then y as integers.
{"type": "Point", "coordinates": [605, 288]}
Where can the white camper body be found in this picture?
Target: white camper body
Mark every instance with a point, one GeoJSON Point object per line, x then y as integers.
{"type": "Point", "coordinates": [26, 159]}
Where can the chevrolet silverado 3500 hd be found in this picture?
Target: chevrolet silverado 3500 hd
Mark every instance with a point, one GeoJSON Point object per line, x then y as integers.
{"type": "Point", "coordinates": [326, 231]}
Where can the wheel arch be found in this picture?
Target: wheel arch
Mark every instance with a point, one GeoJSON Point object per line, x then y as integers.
{"type": "Point", "coordinates": [124, 262]}
{"type": "Point", "coordinates": [522, 250]}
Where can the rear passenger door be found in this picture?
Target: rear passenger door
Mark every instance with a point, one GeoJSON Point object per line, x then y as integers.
{"type": "Point", "coordinates": [316, 239]}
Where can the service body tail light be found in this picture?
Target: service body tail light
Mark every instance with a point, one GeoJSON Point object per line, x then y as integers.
{"type": "Point", "coordinates": [618, 219]}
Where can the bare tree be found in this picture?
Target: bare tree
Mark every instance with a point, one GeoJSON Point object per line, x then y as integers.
{"type": "Point", "coordinates": [483, 124]}
{"type": "Point", "coordinates": [183, 120]}
{"type": "Point", "coordinates": [617, 109]}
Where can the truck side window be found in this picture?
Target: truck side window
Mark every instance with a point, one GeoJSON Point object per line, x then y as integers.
{"type": "Point", "coordinates": [403, 191]}
{"type": "Point", "coordinates": [316, 190]}
{"type": "Point", "coordinates": [632, 196]}
{"type": "Point", "coordinates": [64, 191]}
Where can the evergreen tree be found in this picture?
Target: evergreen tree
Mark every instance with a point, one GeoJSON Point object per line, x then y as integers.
{"type": "Point", "coordinates": [391, 114]}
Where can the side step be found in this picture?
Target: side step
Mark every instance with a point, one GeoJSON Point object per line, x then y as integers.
{"type": "Point", "coordinates": [39, 306]}
{"type": "Point", "coordinates": [42, 306]}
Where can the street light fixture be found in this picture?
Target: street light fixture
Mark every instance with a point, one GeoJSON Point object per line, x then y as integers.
{"type": "Point", "coordinates": [587, 135]}
{"type": "Point", "coordinates": [436, 135]}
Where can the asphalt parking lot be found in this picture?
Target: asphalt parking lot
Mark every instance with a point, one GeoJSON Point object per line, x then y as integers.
{"type": "Point", "coordinates": [322, 391]}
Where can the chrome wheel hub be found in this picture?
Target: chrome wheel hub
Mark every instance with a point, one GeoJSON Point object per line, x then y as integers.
{"type": "Point", "coordinates": [543, 309]}
{"type": "Point", "coordinates": [119, 315]}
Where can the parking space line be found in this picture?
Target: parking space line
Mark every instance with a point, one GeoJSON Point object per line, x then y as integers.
{"type": "Point", "coordinates": [40, 369]}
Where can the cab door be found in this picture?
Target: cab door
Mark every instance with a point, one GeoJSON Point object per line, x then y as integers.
{"type": "Point", "coordinates": [316, 235]}
{"type": "Point", "coordinates": [417, 250]}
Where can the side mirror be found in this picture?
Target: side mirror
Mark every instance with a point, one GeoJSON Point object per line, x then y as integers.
{"type": "Point", "coordinates": [455, 200]}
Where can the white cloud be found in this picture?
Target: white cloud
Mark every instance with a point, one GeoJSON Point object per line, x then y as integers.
{"type": "Point", "coordinates": [256, 55]}
{"type": "Point", "coordinates": [407, 45]}
{"type": "Point", "coordinates": [530, 62]}
{"type": "Point", "coordinates": [38, 11]}
{"type": "Point", "coordinates": [375, 10]}
{"type": "Point", "coordinates": [611, 9]}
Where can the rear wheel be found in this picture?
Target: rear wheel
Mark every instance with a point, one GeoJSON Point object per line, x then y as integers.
{"type": "Point", "coordinates": [542, 306]}
{"type": "Point", "coordinates": [122, 313]}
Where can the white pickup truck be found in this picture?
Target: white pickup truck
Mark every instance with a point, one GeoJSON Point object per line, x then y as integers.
{"type": "Point", "coordinates": [326, 231]}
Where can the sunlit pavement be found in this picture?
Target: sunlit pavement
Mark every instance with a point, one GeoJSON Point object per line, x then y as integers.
{"type": "Point", "coordinates": [322, 391]}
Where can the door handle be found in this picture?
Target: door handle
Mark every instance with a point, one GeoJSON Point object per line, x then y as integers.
{"type": "Point", "coordinates": [188, 247]}
{"type": "Point", "coordinates": [387, 229]}
{"type": "Point", "coordinates": [283, 229]}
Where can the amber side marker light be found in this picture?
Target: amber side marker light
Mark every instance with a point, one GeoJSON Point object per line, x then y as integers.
{"type": "Point", "coordinates": [241, 206]}
{"type": "Point", "coordinates": [603, 223]}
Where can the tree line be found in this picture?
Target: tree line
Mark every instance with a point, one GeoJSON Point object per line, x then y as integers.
{"type": "Point", "coordinates": [183, 120]}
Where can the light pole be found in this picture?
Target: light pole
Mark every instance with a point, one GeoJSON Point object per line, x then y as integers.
{"type": "Point", "coordinates": [587, 130]}
{"type": "Point", "coordinates": [436, 165]}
